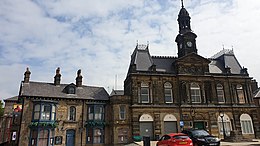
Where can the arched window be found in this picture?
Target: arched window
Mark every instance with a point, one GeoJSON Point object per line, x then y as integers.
{"type": "Point", "coordinates": [227, 124]}
{"type": "Point", "coordinates": [240, 94]}
{"type": "Point", "coordinates": [144, 93]}
{"type": "Point", "coordinates": [195, 93]}
{"type": "Point", "coordinates": [72, 113]}
{"type": "Point", "coordinates": [246, 124]}
{"type": "Point", "coordinates": [168, 92]}
{"type": "Point", "coordinates": [220, 93]}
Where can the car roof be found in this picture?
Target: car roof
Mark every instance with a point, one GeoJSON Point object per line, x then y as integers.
{"type": "Point", "coordinates": [175, 134]}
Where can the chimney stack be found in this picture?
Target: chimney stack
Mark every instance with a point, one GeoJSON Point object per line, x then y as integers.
{"type": "Point", "coordinates": [27, 75]}
{"type": "Point", "coordinates": [79, 79]}
{"type": "Point", "coordinates": [57, 77]}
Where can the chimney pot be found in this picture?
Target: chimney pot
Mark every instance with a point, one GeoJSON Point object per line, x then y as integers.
{"type": "Point", "coordinates": [27, 75]}
{"type": "Point", "coordinates": [57, 77]}
{"type": "Point", "coordinates": [79, 79]}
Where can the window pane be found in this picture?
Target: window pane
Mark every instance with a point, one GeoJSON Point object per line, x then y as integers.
{"type": "Point", "coordinates": [168, 95]}
{"type": "Point", "coordinates": [37, 107]}
{"type": "Point", "coordinates": [97, 136]}
{"type": "Point", "coordinates": [43, 138]}
{"type": "Point", "coordinates": [220, 93]}
{"type": "Point", "coordinates": [122, 112]}
{"type": "Point", "coordinates": [90, 112]}
{"type": "Point", "coordinates": [72, 114]}
{"type": "Point", "coordinates": [195, 93]}
{"type": "Point", "coordinates": [144, 95]}
{"type": "Point", "coordinates": [36, 115]}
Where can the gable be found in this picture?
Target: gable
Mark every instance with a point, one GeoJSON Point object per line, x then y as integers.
{"type": "Point", "coordinates": [193, 64]}
{"type": "Point", "coordinates": [193, 58]}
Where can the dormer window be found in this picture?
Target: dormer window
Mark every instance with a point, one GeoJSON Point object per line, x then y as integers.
{"type": "Point", "coordinates": [71, 90]}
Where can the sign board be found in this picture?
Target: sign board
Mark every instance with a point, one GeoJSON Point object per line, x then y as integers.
{"type": "Point", "coordinates": [181, 123]}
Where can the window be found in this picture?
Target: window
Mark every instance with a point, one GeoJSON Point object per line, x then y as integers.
{"type": "Point", "coordinates": [246, 124]}
{"type": "Point", "coordinates": [122, 135]}
{"type": "Point", "coordinates": [41, 137]}
{"type": "Point", "coordinates": [195, 93]}
{"type": "Point", "coordinates": [95, 112]}
{"type": "Point", "coordinates": [44, 112]}
{"type": "Point", "coordinates": [71, 90]}
{"type": "Point", "coordinates": [168, 93]}
{"type": "Point", "coordinates": [220, 93]}
{"type": "Point", "coordinates": [122, 112]}
{"type": "Point", "coordinates": [240, 94]}
{"type": "Point", "coordinates": [72, 113]}
{"type": "Point", "coordinates": [144, 95]}
{"type": "Point", "coordinates": [95, 135]}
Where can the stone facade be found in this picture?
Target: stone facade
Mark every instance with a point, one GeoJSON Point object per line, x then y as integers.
{"type": "Point", "coordinates": [63, 114]}
{"type": "Point", "coordinates": [169, 94]}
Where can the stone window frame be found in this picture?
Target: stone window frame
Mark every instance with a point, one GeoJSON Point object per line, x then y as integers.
{"type": "Point", "coordinates": [93, 115]}
{"type": "Point", "coordinates": [246, 124]}
{"type": "Point", "coordinates": [122, 112]}
{"type": "Point", "coordinates": [168, 87]}
{"type": "Point", "coordinates": [72, 113]}
{"type": "Point", "coordinates": [93, 137]}
{"type": "Point", "coordinates": [144, 88]}
{"type": "Point", "coordinates": [51, 113]}
{"type": "Point", "coordinates": [240, 94]}
{"type": "Point", "coordinates": [36, 136]}
{"type": "Point", "coordinates": [220, 89]}
{"type": "Point", "coordinates": [197, 93]}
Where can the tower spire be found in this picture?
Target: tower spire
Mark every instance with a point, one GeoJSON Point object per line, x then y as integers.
{"type": "Point", "coordinates": [182, 4]}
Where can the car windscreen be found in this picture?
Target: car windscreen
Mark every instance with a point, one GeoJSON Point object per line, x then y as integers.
{"type": "Point", "coordinates": [199, 133]}
{"type": "Point", "coordinates": [180, 137]}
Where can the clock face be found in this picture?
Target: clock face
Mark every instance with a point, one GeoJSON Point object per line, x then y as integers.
{"type": "Point", "coordinates": [189, 44]}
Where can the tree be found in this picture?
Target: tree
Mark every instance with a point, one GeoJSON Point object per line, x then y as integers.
{"type": "Point", "coordinates": [1, 108]}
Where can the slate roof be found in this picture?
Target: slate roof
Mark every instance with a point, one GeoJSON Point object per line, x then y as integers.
{"type": "Point", "coordinates": [11, 99]}
{"type": "Point", "coordinates": [223, 59]}
{"type": "Point", "coordinates": [257, 94]}
{"type": "Point", "coordinates": [164, 63]}
{"type": "Point", "coordinates": [117, 92]}
{"type": "Point", "coordinates": [40, 89]}
{"type": "Point", "coordinates": [218, 63]}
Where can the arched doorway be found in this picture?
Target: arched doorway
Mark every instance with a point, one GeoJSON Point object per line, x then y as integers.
{"type": "Point", "coordinates": [227, 125]}
{"type": "Point", "coordinates": [146, 125]}
{"type": "Point", "coordinates": [246, 124]}
{"type": "Point", "coordinates": [170, 124]}
{"type": "Point", "coordinates": [70, 137]}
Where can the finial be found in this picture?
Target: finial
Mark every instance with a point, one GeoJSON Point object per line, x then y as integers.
{"type": "Point", "coordinates": [223, 46]}
{"type": "Point", "coordinates": [136, 42]}
{"type": "Point", "coordinates": [232, 47]}
{"type": "Point", "coordinates": [182, 4]}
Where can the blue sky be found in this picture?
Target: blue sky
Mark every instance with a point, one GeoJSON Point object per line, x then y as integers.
{"type": "Point", "coordinates": [99, 36]}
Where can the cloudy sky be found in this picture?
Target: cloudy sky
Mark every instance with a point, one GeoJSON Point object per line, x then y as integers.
{"type": "Point", "coordinates": [99, 36]}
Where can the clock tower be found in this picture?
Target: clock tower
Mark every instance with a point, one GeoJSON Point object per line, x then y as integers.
{"type": "Point", "coordinates": [186, 39]}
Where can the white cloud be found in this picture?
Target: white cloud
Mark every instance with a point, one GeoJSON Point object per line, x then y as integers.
{"type": "Point", "coordinates": [98, 36]}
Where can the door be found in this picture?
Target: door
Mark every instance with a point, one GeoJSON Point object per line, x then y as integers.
{"type": "Point", "coordinates": [70, 137]}
{"type": "Point", "coordinates": [199, 125]}
{"type": "Point", "coordinates": [146, 129]}
{"type": "Point", "coordinates": [170, 127]}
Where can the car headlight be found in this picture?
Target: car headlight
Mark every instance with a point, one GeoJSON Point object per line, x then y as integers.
{"type": "Point", "coordinates": [201, 139]}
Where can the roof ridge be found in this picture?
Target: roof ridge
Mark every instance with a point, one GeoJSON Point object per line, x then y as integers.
{"type": "Point", "coordinates": [163, 57]}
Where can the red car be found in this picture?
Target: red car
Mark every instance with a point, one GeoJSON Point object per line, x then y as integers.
{"type": "Point", "coordinates": [175, 139]}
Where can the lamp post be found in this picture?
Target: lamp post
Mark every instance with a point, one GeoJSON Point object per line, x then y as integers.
{"type": "Point", "coordinates": [222, 116]}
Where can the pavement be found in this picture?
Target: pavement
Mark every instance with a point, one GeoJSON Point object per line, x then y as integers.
{"type": "Point", "coordinates": [254, 142]}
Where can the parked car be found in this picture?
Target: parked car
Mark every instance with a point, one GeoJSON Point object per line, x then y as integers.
{"type": "Point", "coordinates": [201, 137]}
{"type": "Point", "coordinates": [174, 139]}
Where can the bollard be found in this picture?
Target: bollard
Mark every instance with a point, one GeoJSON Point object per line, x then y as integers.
{"type": "Point", "coordinates": [146, 141]}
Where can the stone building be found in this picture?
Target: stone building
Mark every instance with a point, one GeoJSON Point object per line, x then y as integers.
{"type": "Point", "coordinates": [62, 114]}
{"type": "Point", "coordinates": [167, 94]}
